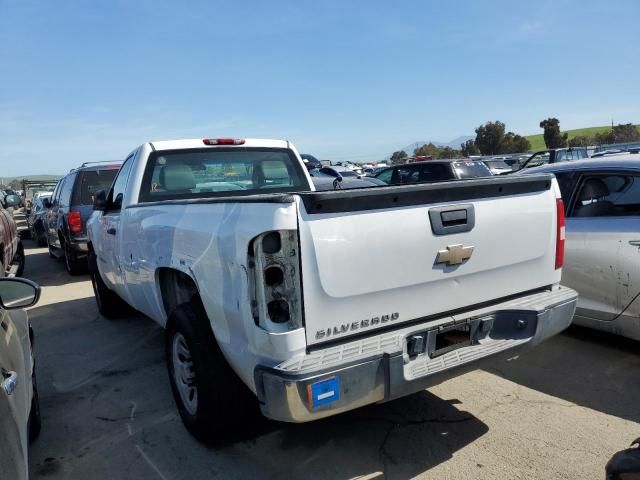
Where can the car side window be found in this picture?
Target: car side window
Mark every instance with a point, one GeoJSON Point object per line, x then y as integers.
{"type": "Point", "coordinates": [65, 192]}
{"type": "Point", "coordinates": [56, 194]}
{"type": "Point", "coordinates": [385, 175]}
{"type": "Point", "coordinates": [116, 194]}
{"type": "Point", "coordinates": [608, 195]}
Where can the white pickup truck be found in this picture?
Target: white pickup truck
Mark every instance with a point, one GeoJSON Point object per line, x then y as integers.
{"type": "Point", "coordinates": [262, 282]}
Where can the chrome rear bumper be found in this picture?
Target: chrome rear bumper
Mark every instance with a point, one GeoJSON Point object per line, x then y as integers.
{"type": "Point", "coordinates": [379, 368]}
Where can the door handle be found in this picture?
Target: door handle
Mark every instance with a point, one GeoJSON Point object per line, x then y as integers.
{"type": "Point", "coordinates": [634, 243]}
{"type": "Point", "coordinates": [111, 231]}
{"type": "Point", "coordinates": [10, 382]}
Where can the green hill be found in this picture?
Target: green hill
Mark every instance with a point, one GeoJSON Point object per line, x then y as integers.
{"type": "Point", "coordinates": [537, 141]}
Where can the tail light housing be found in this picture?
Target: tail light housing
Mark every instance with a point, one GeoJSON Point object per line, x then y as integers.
{"type": "Point", "coordinates": [560, 233]}
{"type": "Point", "coordinates": [274, 271]}
{"type": "Point", "coordinates": [74, 220]}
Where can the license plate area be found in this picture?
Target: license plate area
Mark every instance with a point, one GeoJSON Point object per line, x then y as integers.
{"type": "Point", "coordinates": [451, 339]}
{"type": "Point", "coordinates": [446, 338]}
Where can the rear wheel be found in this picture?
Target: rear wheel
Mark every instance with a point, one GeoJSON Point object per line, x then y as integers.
{"type": "Point", "coordinates": [109, 303]}
{"type": "Point", "coordinates": [18, 260]}
{"type": "Point", "coordinates": [51, 252]}
{"type": "Point", "coordinates": [214, 404]}
{"type": "Point", "coordinates": [74, 265]}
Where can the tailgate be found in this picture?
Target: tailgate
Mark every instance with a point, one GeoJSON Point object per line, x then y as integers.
{"type": "Point", "coordinates": [373, 258]}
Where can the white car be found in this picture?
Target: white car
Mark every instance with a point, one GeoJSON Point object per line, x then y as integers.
{"type": "Point", "coordinates": [19, 409]}
{"type": "Point", "coordinates": [602, 197]}
{"type": "Point", "coordinates": [261, 286]}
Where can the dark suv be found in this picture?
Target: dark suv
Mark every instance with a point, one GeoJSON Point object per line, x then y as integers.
{"type": "Point", "coordinates": [433, 171]}
{"type": "Point", "coordinates": [69, 209]}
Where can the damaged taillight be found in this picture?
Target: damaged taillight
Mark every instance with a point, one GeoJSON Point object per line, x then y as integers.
{"type": "Point", "coordinates": [560, 233]}
{"type": "Point", "coordinates": [274, 269]}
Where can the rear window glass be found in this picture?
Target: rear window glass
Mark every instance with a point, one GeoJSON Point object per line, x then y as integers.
{"type": "Point", "coordinates": [471, 169]}
{"type": "Point", "coordinates": [91, 181]}
{"type": "Point", "coordinates": [199, 173]}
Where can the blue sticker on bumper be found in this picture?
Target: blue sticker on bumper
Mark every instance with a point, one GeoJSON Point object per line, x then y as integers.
{"type": "Point", "coordinates": [324, 392]}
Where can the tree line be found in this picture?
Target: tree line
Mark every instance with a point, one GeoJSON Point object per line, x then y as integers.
{"type": "Point", "coordinates": [493, 139]}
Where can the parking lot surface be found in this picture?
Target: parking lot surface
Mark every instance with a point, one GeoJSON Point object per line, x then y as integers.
{"type": "Point", "coordinates": [559, 411]}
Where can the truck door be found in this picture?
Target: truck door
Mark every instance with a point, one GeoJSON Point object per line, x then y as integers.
{"type": "Point", "coordinates": [603, 243]}
{"type": "Point", "coordinates": [110, 250]}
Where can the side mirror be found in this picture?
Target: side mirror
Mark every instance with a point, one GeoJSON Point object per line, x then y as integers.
{"type": "Point", "coordinates": [337, 183]}
{"type": "Point", "coordinates": [12, 201]}
{"type": "Point", "coordinates": [100, 201]}
{"type": "Point", "coordinates": [46, 203]}
{"type": "Point", "coordinates": [18, 293]}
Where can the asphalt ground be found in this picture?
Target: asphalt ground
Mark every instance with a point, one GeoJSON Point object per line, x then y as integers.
{"type": "Point", "coordinates": [558, 412]}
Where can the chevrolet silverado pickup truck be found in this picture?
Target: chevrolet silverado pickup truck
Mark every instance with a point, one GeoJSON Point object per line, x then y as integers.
{"type": "Point", "coordinates": [260, 283]}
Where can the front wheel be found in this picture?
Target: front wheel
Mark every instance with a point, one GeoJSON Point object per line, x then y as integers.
{"type": "Point", "coordinates": [35, 420]}
{"type": "Point", "coordinates": [214, 404]}
{"type": "Point", "coordinates": [109, 303]}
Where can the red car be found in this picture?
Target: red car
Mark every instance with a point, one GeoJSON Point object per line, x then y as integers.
{"type": "Point", "coordinates": [11, 249]}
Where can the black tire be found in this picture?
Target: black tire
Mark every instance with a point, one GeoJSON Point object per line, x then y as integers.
{"type": "Point", "coordinates": [19, 259]}
{"type": "Point", "coordinates": [225, 409]}
{"type": "Point", "coordinates": [42, 241]}
{"type": "Point", "coordinates": [110, 305]}
{"type": "Point", "coordinates": [51, 254]}
{"type": "Point", "coordinates": [35, 419]}
{"type": "Point", "coordinates": [73, 264]}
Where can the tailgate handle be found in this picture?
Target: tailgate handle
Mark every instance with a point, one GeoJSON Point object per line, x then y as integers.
{"type": "Point", "coordinates": [452, 219]}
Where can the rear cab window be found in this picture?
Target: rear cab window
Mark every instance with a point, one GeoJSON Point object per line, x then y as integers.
{"type": "Point", "coordinates": [91, 181]}
{"type": "Point", "coordinates": [220, 172]}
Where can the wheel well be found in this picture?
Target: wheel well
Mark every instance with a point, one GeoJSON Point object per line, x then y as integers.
{"type": "Point", "coordinates": [176, 287]}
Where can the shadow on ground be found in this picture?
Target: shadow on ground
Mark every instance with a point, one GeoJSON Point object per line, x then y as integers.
{"type": "Point", "coordinates": [108, 413]}
{"type": "Point", "coordinates": [586, 367]}
{"type": "Point", "coordinates": [47, 271]}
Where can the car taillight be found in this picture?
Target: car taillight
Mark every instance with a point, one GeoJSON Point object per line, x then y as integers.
{"type": "Point", "coordinates": [560, 233]}
{"type": "Point", "coordinates": [223, 141]}
{"type": "Point", "coordinates": [274, 269]}
{"type": "Point", "coordinates": [74, 220]}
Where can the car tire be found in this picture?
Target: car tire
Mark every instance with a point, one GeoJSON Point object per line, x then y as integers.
{"type": "Point", "coordinates": [51, 254]}
{"type": "Point", "coordinates": [35, 419]}
{"type": "Point", "coordinates": [110, 305]}
{"type": "Point", "coordinates": [73, 264]}
{"type": "Point", "coordinates": [214, 404]}
{"type": "Point", "coordinates": [19, 259]}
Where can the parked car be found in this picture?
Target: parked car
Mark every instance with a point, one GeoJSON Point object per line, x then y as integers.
{"type": "Point", "coordinates": [334, 171]}
{"type": "Point", "coordinates": [37, 218]}
{"type": "Point", "coordinates": [12, 257]}
{"type": "Point", "coordinates": [555, 155]}
{"type": "Point", "coordinates": [625, 465]}
{"type": "Point", "coordinates": [497, 166]}
{"type": "Point", "coordinates": [268, 302]}
{"type": "Point", "coordinates": [68, 209]}
{"type": "Point", "coordinates": [433, 171]}
{"type": "Point", "coordinates": [19, 408]}
{"type": "Point", "coordinates": [602, 259]}
{"type": "Point", "coordinates": [310, 161]}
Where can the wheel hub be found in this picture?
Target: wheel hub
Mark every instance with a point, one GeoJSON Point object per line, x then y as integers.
{"type": "Point", "coordinates": [184, 374]}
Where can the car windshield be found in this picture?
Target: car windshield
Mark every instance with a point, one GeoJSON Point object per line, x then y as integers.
{"type": "Point", "coordinates": [221, 172]}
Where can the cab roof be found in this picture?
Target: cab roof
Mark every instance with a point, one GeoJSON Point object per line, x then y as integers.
{"type": "Point", "coordinates": [199, 143]}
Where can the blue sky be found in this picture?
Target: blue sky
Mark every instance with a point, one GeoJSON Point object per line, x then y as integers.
{"type": "Point", "coordinates": [84, 81]}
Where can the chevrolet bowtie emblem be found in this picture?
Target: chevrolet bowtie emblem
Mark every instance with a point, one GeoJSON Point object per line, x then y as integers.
{"type": "Point", "coordinates": [454, 254]}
